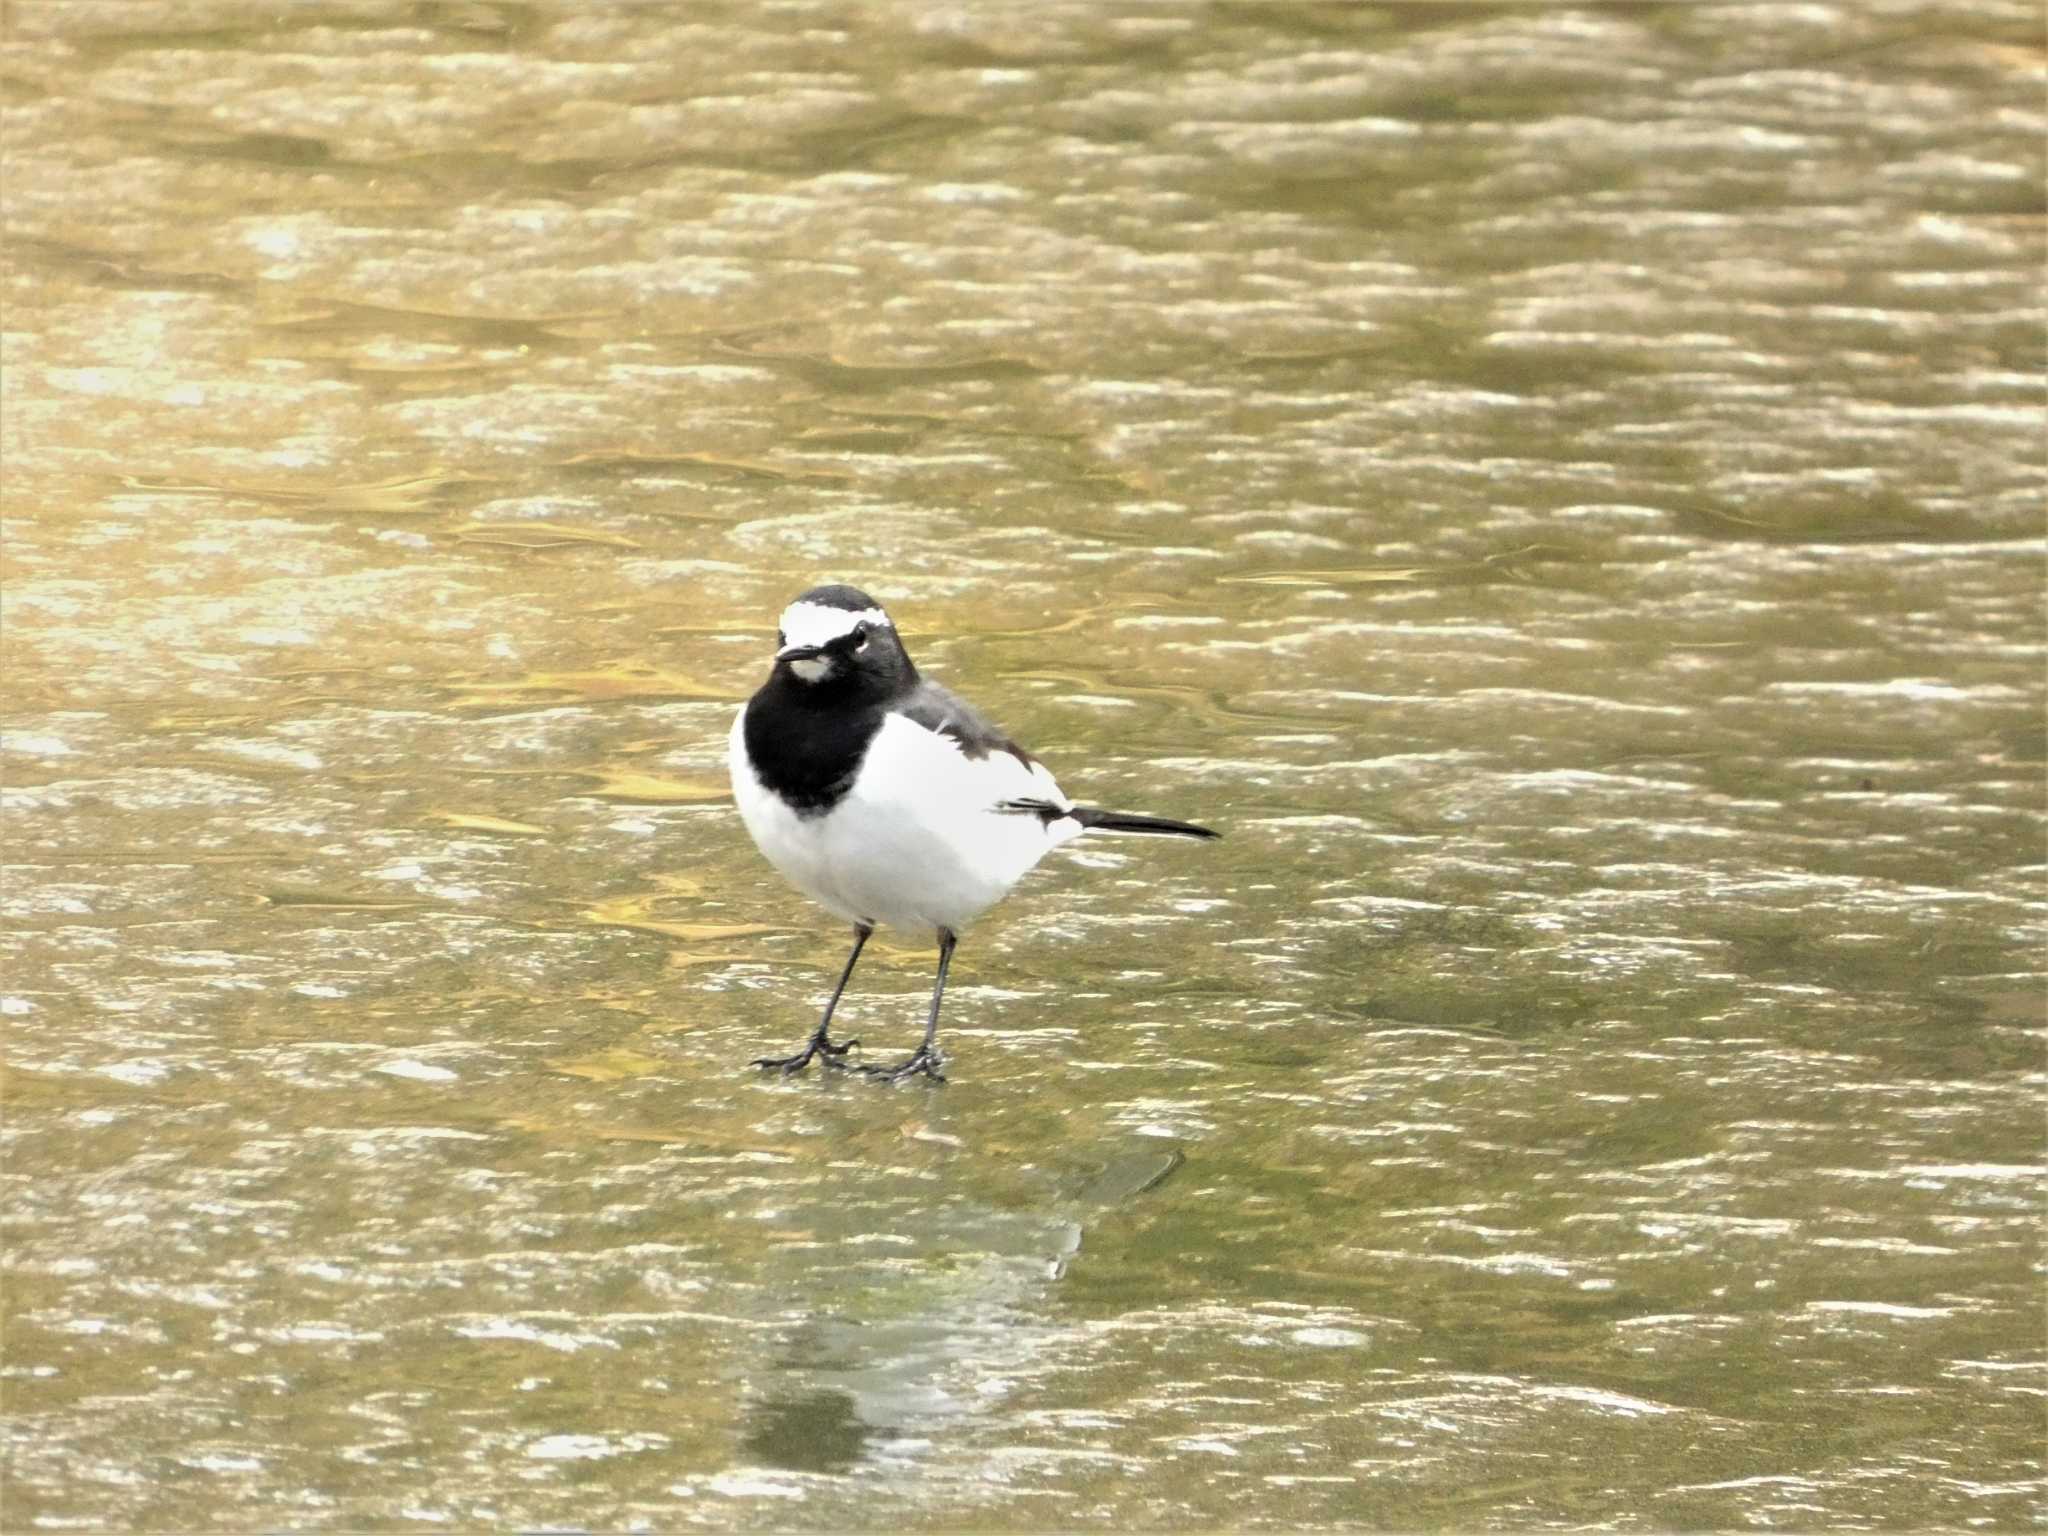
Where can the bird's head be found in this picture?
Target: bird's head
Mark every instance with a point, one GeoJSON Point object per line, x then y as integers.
{"type": "Point", "coordinates": [838, 638]}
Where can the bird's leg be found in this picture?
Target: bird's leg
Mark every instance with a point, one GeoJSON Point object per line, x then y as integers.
{"type": "Point", "coordinates": [926, 1057]}
{"type": "Point", "coordinates": [819, 1045]}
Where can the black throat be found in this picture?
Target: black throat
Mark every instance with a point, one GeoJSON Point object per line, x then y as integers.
{"type": "Point", "coordinates": [807, 740]}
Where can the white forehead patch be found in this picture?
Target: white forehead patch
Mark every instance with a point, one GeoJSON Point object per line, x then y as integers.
{"type": "Point", "coordinates": [815, 624]}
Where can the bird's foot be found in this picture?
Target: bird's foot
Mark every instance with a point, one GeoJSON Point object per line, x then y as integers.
{"type": "Point", "coordinates": [925, 1059]}
{"type": "Point", "coordinates": [789, 1066]}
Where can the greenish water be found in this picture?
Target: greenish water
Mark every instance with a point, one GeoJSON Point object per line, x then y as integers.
{"type": "Point", "coordinates": [1561, 487]}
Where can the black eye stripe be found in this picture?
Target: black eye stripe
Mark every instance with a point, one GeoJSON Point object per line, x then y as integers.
{"type": "Point", "coordinates": [846, 642]}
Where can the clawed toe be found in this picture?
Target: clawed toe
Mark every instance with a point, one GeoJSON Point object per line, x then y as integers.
{"type": "Point", "coordinates": [789, 1066]}
{"type": "Point", "coordinates": [922, 1061]}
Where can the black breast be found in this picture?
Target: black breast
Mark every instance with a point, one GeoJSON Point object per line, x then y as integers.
{"type": "Point", "coordinates": [806, 754]}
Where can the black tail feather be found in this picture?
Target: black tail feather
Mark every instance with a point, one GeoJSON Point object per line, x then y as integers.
{"type": "Point", "coordinates": [1105, 821]}
{"type": "Point", "coordinates": [1131, 821]}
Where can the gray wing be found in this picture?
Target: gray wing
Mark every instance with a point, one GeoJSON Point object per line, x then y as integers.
{"type": "Point", "coordinates": [938, 709]}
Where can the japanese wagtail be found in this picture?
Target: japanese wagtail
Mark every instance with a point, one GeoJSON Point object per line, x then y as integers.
{"type": "Point", "coordinates": [886, 799]}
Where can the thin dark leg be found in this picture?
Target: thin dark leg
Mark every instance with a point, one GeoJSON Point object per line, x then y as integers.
{"type": "Point", "coordinates": [819, 1045]}
{"type": "Point", "coordinates": [926, 1057]}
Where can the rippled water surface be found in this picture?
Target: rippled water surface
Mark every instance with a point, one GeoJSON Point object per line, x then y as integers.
{"type": "Point", "coordinates": [1561, 487]}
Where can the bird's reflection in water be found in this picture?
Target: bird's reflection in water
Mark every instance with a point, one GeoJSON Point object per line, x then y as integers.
{"type": "Point", "coordinates": [818, 1431]}
{"type": "Point", "coordinates": [955, 1324]}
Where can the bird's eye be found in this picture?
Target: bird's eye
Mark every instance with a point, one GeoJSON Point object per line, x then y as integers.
{"type": "Point", "coordinates": [860, 637]}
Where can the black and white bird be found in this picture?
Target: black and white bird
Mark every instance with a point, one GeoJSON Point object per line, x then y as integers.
{"type": "Point", "coordinates": [886, 799]}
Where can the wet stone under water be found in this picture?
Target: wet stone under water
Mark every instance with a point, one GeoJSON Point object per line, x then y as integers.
{"type": "Point", "coordinates": [1560, 487]}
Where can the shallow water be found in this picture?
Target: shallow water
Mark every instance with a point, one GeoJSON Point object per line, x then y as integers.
{"type": "Point", "coordinates": [1561, 488]}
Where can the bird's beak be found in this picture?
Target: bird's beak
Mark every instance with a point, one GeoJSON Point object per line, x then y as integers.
{"type": "Point", "coordinates": [799, 652]}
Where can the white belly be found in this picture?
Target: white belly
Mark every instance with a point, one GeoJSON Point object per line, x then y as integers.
{"type": "Point", "coordinates": [918, 842]}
